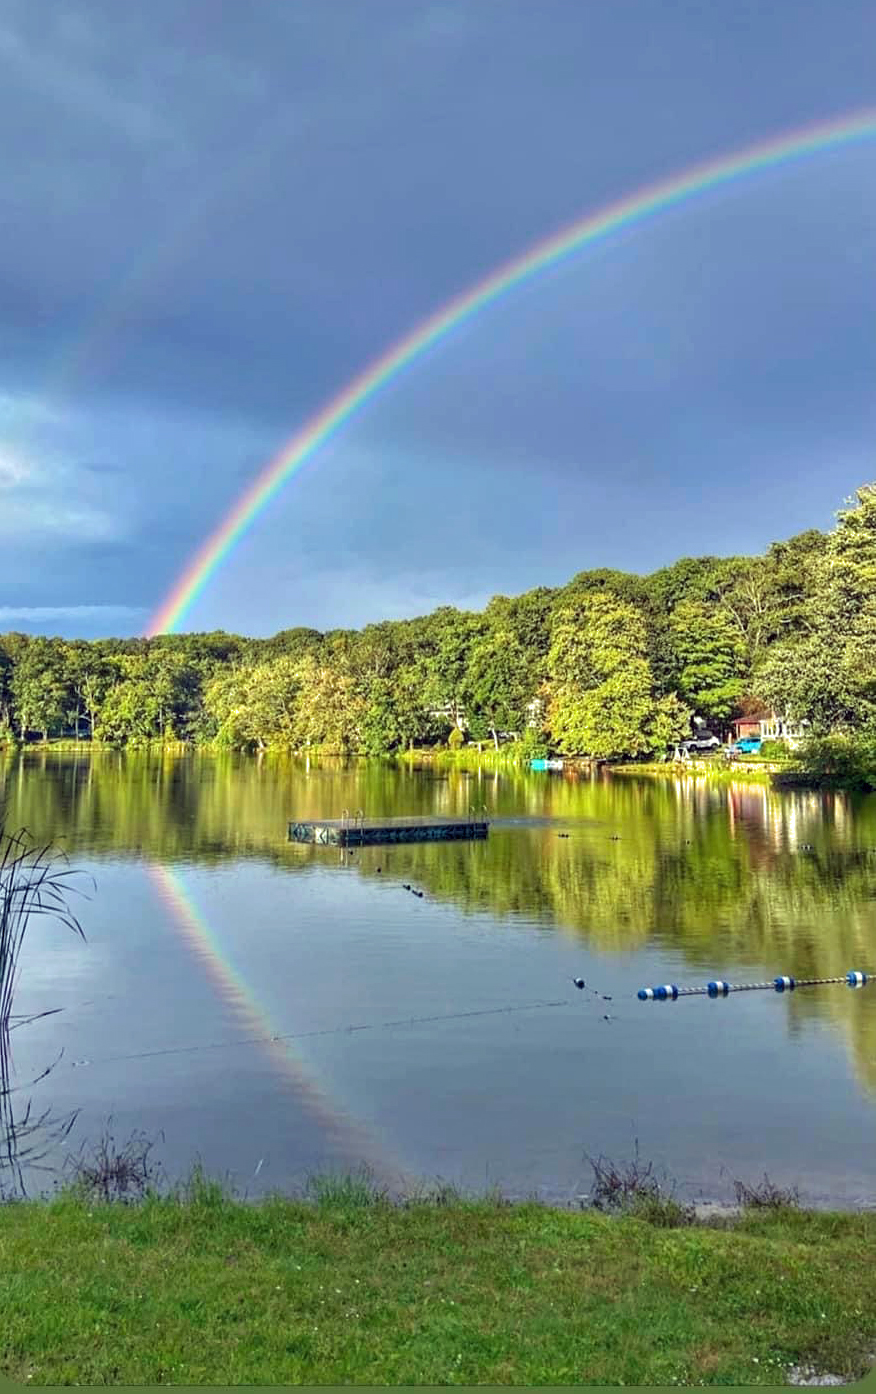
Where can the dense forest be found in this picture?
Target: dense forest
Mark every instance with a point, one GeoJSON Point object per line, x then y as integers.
{"type": "Point", "coordinates": [612, 665]}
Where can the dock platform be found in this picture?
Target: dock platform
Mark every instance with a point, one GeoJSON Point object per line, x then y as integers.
{"type": "Point", "coordinates": [361, 831]}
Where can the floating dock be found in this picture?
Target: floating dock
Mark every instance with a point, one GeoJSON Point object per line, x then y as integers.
{"type": "Point", "coordinates": [362, 831]}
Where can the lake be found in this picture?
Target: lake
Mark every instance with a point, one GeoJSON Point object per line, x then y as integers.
{"type": "Point", "coordinates": [274, 1009]}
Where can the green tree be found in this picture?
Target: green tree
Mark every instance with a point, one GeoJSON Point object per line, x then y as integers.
{"type": "Point", "coordinates": [39, 691]}
{"type": "Point", "coordinates": [826, 673]}
{"type": "Point", "coordinates": [449, 638]}
{"type": "Point", "coordinates": [292, 643]}
{"type": "Point", "coordinates": [227, 720]}
{"type": "Point", "coordinates": [93, 686]}
{"type": "Point", "coordinates": [374, 654]}
{"type": "Point", "coordinates": [330, 708]}
{"type": "Point", "coordinates": [602, 702]}
{"type": "Point", "coordinates": [846, 607]}
{"type": "Point", "coordinates": [256, 705]}
{"type": "Point", "coordinates": [608, 720]}
{"type": "Point", "coordinates": [668, 722]}
{"type": "Point", "coordinates": [495, 684]}
{"type": "Point", "coordinates": [751, 604]}
{"type": "Point", "coordinates": [176, 687]}
{"type": "Point", "coordinates": [129, 711]}
{"type": "Point", "coordinates": [88, 677]}
{"type": "Point", "coordinates": [394, 716]}
{"type": "Point", "coordinates": [803, 682]}
{"type": "Point", "coordinates": [6, 671]}
{"type": "Point", "coordinates": [794, 568]}
{"type": "Point", "coordinates": [709, 657]}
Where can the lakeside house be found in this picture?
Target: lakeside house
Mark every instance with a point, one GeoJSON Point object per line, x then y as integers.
{"type": "Point", "coordinates": [782, 728]}
{"type": "Point", "coordinates": [758, 721]}
{"type": "Point", "coordinates": [771, 727]}
{"type": "Point", "coordinates": [745, 726]}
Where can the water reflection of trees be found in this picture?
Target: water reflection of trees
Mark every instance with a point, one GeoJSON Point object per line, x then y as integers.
{"type": "Point", "coordinates": [720, 875]}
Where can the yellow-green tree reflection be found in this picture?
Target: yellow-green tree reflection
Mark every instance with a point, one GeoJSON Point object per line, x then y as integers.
{"type": "Point", "coordinates": [728, 877]}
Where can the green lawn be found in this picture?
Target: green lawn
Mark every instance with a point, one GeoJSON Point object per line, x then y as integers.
{"type": "Point", "coordinates": [202, 1289]}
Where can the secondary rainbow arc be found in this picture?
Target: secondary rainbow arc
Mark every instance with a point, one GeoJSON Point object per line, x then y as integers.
{"type": "Point", "coordinates": [634, 208]}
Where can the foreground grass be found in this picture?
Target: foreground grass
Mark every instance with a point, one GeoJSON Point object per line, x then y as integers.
{"type": "Point", "coordinates": [199, 1288]}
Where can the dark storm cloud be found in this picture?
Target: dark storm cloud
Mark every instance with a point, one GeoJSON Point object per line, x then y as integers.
{"type": "Point", "coordinates": [221, 213]}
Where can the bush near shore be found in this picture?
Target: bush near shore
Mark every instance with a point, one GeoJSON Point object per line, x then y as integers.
{"type": "Point", "coordinates": [346, 1286]}
{"type": "Point", "coordinates": [842, 760]}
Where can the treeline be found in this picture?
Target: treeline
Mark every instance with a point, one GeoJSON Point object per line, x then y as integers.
{"type": "Point", "coordinates": [612, 665]}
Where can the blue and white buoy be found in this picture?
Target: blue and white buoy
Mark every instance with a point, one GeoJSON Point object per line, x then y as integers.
{"type": "Point", "coordinates": [719, 988]}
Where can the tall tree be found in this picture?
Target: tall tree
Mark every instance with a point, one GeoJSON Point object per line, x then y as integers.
{"type": "Point", "coordinates": [129, 711]}
{"type": "Point", "coordinates": [38, 687]}
{"type": "Point", "coordinates": [496, 686]}
{"type": "Point", "coordinates": [602, 699]}
{"type": "Point", "coordinates": [449, 639]}
{"type": "Point", "coordinates": [709, 657]}
{"type": "Point", "coordinates": [256, 704]}
{"type": "Point", "coordinates": [393, 714]}
{"type": "Point", "coordinates": [827, 676]}
{"type": "Point", "coordinates": [330, 708]}
{"type": "Point", "coordinates": [6, 671]}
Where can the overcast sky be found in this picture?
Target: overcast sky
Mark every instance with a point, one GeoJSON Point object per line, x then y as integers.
{"type": "Point", "coordinates": [215, 214]}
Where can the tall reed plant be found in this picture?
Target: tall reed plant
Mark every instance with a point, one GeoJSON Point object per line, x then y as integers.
{"type": "Point", "coordinates": [35, 880]}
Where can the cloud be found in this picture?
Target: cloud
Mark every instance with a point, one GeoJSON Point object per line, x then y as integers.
{"type": "Point", "coordinates": [36, 613]}
{"type": "Point", "coordinates": [52, 498]}
{"type": "Point", "coordinates": [55, 80]}
{"type": "Point", "coordinates": [27, 409]}
{"type": "Point", "coordinates": [13, 472]}
{"type": "Point", "coordinates": [23, 519]}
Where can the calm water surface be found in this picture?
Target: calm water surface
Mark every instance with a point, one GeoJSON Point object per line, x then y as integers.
{"type": "Point", "coordinates": [276, 1009]}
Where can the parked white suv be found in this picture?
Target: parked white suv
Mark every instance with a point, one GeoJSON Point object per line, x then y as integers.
{"type": "Point", "coordinates": [703, 741]}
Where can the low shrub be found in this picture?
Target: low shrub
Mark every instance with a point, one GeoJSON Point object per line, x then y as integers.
{"type": "Point", "coordinates": [774, 750]}
{"type": "Point", "coordinates": [765, 1195]}
{"type": "Point", "coordinates": [634, 1190]}
{"type": "Point", "coordinates": [109, 1172]}
{"type": "Point", "coordinates": [847, 760]}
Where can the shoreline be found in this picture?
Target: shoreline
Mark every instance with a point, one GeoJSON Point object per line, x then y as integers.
{"type": "Point", "coordinates": [767, 774]}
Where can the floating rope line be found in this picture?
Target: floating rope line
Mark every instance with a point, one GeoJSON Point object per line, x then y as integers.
{"type": "Point", "coordinates": [669, 992]}
{"type": "Point", "coordinates": [305, 1035]}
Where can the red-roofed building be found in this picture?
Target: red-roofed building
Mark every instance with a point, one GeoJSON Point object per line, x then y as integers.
{"type": "Point", "coordinates": [745, 726]}
{"type": "Point", "coordinates": [767, 726]}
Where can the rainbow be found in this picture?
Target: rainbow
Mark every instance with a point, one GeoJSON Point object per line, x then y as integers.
{"type": "Point", "coordinates": [627, 212]}
{"type": "Point", "coordinates": [346, 1133]}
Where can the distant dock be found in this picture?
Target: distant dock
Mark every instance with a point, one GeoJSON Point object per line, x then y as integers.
{"type": "Point", "coordinates": [361, 831]}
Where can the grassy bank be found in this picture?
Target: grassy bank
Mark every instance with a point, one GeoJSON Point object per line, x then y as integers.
{"type": "Point", "coordinates": [66, 745]}
{"type": "Point", "coordinates": [466, 758]}
{"type": "Point", "coordinates": [753, 772]}
{"type": "Point", "coordinates": [198, 1288]}
{"type": "Point", "coordinates": [507, 756]}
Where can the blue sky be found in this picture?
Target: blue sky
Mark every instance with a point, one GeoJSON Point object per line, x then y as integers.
{"type": "Point", "coordinates": [215, 215]}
